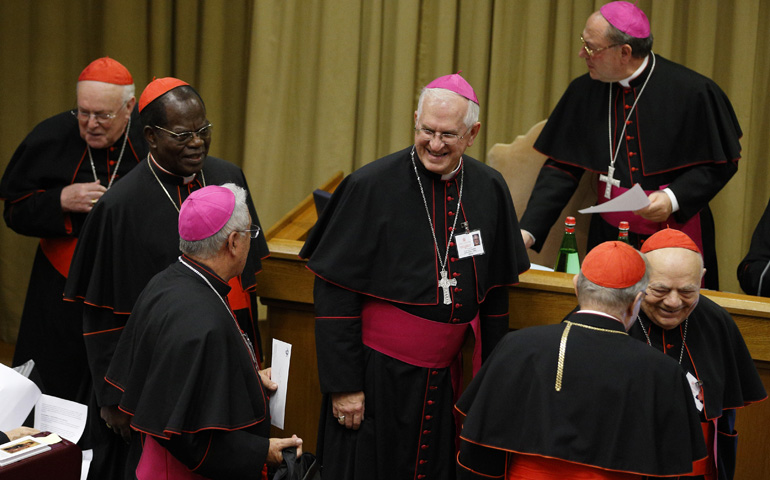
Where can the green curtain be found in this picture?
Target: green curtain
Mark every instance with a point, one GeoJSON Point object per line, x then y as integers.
{"type": "Point", "coordinates": [300, 89]}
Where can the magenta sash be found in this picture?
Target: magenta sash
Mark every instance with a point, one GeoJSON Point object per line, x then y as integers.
{"type": "Point", "coordinates": [415, 340]}
{"type": "Point", "coordinates": [156, 462]}
{"type": "Point", "coordinates": [643, 226]}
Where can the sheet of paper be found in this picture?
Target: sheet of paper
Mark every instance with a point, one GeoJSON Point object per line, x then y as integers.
{"type": "Point", "coordinates": [63, 417]}
{"type": "Point", "coordinates": [280, 374]}
{"type": "Point", "coordinates": [535, 266]}
{"type": "Point", "coordinates": [631, 201]}
{"type": "Point", "coordinates": [17, 398]}
{"type": "Point", "coordinates": [88, 455]}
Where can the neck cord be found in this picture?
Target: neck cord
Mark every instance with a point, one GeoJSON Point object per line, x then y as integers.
{"type": "Point", "coordinates": [120, 157]}
{"type": "Point", "coordinates": [149, 164]}
{"type": "Point", "coordinates": [430, 220]}
{"type": "Point", "coordinates": [244, 337]}
{"type": "Point", "coordinates": [684, 335]}
{"type": "Point", "coordinates": [628, 117]}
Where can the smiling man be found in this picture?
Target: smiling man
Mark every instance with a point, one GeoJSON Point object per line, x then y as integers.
{"type": "Point", "coordinates": [399, 283]}
{"type": "Point", "coordinates": [703, 338]}
{"type": "Point", "coordinates": [57, 174]}
{"type": "Point", "coordinates": [131, 235]}
{"type": "Point", "coordinates": [636, 118]}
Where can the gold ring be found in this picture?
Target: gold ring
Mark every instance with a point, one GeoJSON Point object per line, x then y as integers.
{"type": "Point", "coordinates": [94, 200]}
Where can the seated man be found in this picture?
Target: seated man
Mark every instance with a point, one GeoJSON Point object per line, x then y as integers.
{"type": "Point", "coordinates": [188, 374]}
{"type": "Point", "coordinates": [563, 401]}
{"type": "Point", "coordinates": [754, 270]}
{"type": "Point", "coordinates": [710, 348]}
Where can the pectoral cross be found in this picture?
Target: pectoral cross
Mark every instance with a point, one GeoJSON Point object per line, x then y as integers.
{"type": "Point", "coordinates": [609, 181]}
{"type": "Point", "coordinates": [445, 283]}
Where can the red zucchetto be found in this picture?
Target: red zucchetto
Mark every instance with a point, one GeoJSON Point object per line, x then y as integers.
{"type": "Point", "coordinates": [613, 265]}
{"type": "Point", "coordinates": [106, 70]}
{"type": "Point", "coordinates": [669, 238]}
{"type": "Point", "coordinates": [158, 87]}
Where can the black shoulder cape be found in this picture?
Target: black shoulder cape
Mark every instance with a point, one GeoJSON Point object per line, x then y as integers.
{"type": "Point", "coordinates": [685, 119]}
{"type": "Point", "coordinates": [620, 408]}
{"type": "Point", "coordinates": [387, 250]}
{"type": "Point", "coordinates": [181, 362]}
{"type": "Point", "coordinates": [715, 347]}
{"type": "Point", "coordinates": [132, 234]}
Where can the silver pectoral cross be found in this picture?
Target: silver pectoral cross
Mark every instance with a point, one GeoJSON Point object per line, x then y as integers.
{"type": "Point", "coordinates": [609, 181]}
{"type": "Point", "coordinates": [445, 283]}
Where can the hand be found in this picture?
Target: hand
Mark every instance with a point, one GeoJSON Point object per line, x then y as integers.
{"type": "Point", "coordinates": [20, 432]}
{"type": "Point", "coordinates": [81, 197]}
{"type": "Point", "coordinates": [275, 452]}
{"type": "Point", "coordinates": [659, 208]}
{"type": "Point", "coordinates": [118, 421]}
{"type": "Point", "coordinates": [528, 240]}
{"type": "Point", "coordinates": [349, 405]}
{"type": "Point", "coordinates": [267, 382]}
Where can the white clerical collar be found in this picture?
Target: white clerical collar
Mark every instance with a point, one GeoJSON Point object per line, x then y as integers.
{"type": "Point", "coordinates": [626, 82]}
{"type": "Point", "coordinates": [451, 174]}
{"type": "Point", "coordinates": [596, 312]}
{"type": "Point", "coordinates": [185, 179]}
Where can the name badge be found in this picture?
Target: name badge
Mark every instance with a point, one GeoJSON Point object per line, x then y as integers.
{"type": "Point", "coordinates": [469, 244]}
{"type": "Point", "coordinates": [695, 386]}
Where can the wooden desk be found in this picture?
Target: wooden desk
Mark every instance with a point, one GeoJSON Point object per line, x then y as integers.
{"type": "Point", "coordinates": [286, 288]}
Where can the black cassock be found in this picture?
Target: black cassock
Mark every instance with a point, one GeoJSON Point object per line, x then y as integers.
{"type": "Point", "coordinates": [373, 240]}
{"type": "Point", "coordinates": [620, 407]}
{"type": "Point", "coordinates": [50, 158]}
{"type": "Point", "coordinates": [716, 355]}
{"type": "Point", "coordinates": [683, 134]}
{"type": "Point", "coordinates": [130, 235]}
{"type": "Point", "coordinates": [187, 377]}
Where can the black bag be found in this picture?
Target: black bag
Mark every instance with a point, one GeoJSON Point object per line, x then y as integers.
{"type": "Point", "coordinates": [305, 467]}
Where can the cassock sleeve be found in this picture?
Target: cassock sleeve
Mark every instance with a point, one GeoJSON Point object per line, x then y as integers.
{"type": "Point", "coordinates": [218, 454]}
{"type": "Point", "coordinates": [493, 313]}
{"type": "Point", "coordinates": [757, 260]}
{"type": "Point", "coordinates": [555, 185]}
{"type": "Point", "coordinates": [4, 438]}
{"type": "Point", "coordinates": [101, 332]}
{"type": "Point", "coordinates": [339, 348]}
{"type": "Point", "coordinates": [38, 214]}
{"type": "Point", "coordinates": [694, 187]}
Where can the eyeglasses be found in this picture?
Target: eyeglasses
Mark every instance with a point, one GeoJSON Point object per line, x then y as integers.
{"type": "Point", "coordinates": [101, 118]}
{"type": "Point", "coordinates": [448, 139]}
{"type": "Point", "coordinates": [253, 231]}
{"type": "Point", "coordinates": [204, 133]}
{"type": "Point", "coordinates": [591, 52]}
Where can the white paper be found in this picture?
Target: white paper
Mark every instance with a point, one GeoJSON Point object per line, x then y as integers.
{"type": "Point", "coordinates": [63, 417]}
{"type": "Point", "coordinates": [535, 266]}
{"type": "Point", "coordinates": [88, 455]}
{"type": "Point", "coordinates": [631, 201]}
{"type": "Point", "coordinates": [18, 395]}
{"type": "Point", "coordinates": [279, 366]}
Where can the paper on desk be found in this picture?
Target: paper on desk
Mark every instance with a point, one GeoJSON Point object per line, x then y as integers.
{"type": "Point", "coordinates": [17, 397]}
{"type": "Point", "coordinates": [631, 201]}
{"type": "Point", "coordinates": [63, 417]}
{"type": "Point", "coordinates": [280, 374]}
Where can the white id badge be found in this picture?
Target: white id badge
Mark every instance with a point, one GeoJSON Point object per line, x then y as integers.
{"type": "Point", "coordinates": [469, 244]}
{"type": "Point", "coordinates": [696, 391]}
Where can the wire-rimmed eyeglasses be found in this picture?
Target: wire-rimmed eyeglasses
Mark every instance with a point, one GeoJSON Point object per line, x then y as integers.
{"type": "Point", "coordinates": [204, 133]}
{"type": "Point", "coordinates": [446, 138]}
{"type": "Point", "coordinates": [253, 230]}
{"type": "Point", "coordinates": [591, 52]}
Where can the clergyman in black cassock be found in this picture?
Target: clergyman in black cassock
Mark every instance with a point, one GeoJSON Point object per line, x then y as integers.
{"type": "Point", "coordinates": [580, 399]}
{"type": "Point", "coordinates": [56, 174]}
{"type": "Point", "coordinates": [131, 235]}
{"type": "Point", "coordinates": [703, 338]}
{"type": "Point", "coordinates": [393, 296]}
{"type": "Point", "coordinates": [652, 122]}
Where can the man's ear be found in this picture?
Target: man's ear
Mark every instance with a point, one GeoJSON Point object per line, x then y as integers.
{"type": "Point", "coordinates": [151, 136]}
